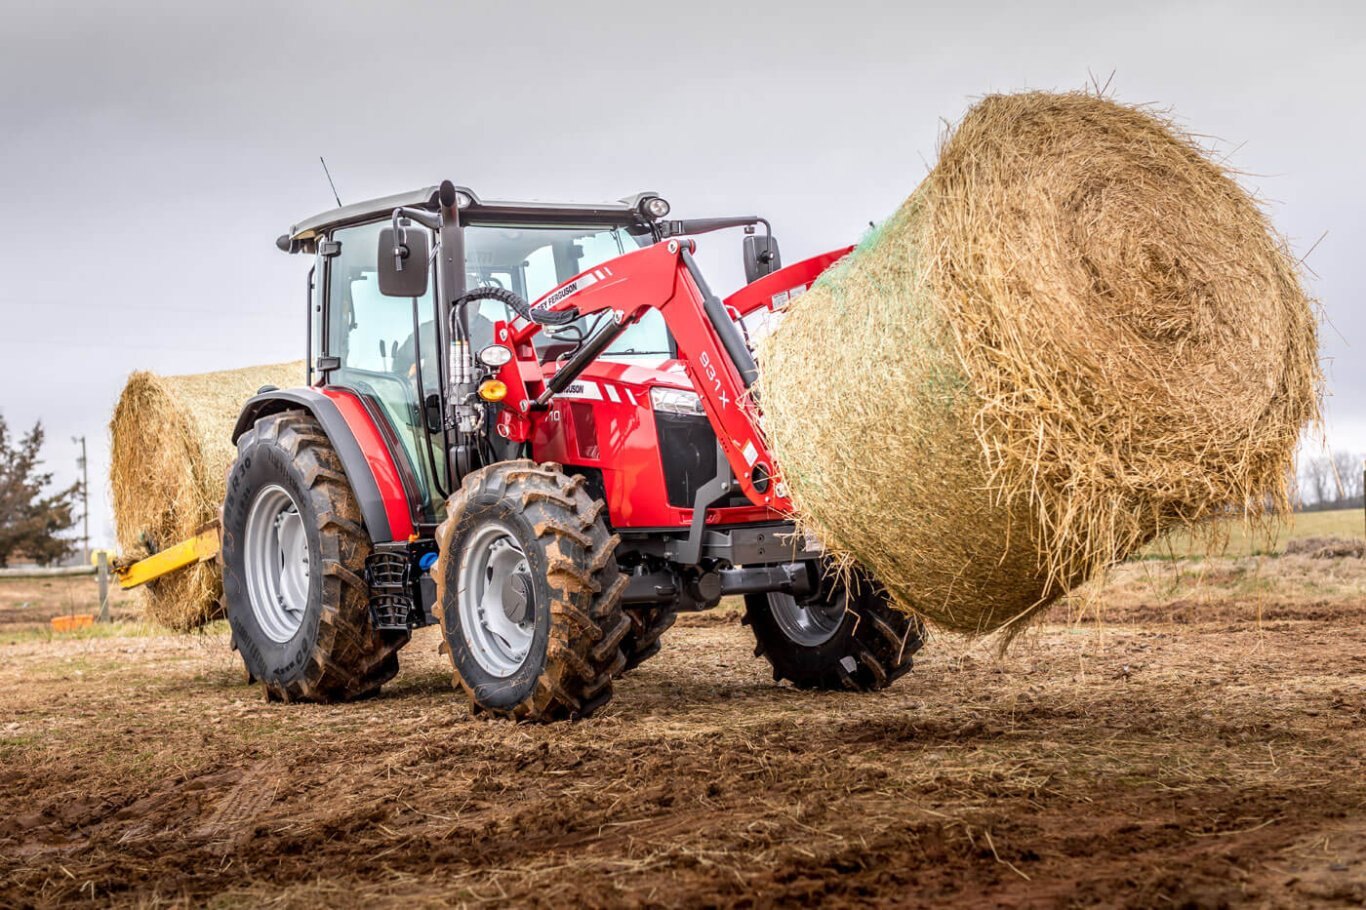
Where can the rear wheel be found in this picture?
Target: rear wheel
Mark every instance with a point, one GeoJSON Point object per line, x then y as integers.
{"type": "Point", "coordinates": [529, 594]}
{"type": "Point", "coordinates": [843, 636]}
{"type": "Point", "coordinates": [293, 565]}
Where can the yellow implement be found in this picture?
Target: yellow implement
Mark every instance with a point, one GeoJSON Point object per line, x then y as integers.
{"type": "Point", "coordinates": [200, 548]}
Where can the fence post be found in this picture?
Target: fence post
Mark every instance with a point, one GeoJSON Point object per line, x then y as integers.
{"type": "Point", "coordinates": [102, 569]}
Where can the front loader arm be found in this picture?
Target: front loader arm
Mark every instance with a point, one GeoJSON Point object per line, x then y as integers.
{"type": "Point", "coordinates": [665, 278]}
{"type": "Point", "coordinates": [774, 290]}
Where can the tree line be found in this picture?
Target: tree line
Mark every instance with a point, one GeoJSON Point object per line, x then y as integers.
{"type": "Point", "coordinates": [1331, 482]}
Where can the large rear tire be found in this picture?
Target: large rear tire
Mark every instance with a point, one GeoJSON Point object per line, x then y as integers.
{"type": "Point", "coordinates": [294, 555]}
{"type": "Point", "coordinates": [529, 595]}
{"type": "Point", "coordinates": [843, 636]}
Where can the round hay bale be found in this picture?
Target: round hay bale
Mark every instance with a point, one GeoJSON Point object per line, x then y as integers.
{"type": "Point", "coordinates": [170, 454]}
{"type": "Point", "coordinates": [1077, 333]}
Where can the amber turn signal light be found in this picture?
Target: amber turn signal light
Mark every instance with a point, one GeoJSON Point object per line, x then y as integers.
{"type": "Point", "coordinates": [493, 390]}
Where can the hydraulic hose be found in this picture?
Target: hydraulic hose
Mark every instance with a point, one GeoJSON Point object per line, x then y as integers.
{"type": "Point", "coordinates": [520, 306]}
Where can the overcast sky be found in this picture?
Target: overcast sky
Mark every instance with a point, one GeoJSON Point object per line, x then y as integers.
{"type": "Point", "coordinates": [150, 153]}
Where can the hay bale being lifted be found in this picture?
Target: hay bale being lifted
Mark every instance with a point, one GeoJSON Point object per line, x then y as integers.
{"type": "Point", "coordinates": [171, 450]}
{"type": "Point", "coordinates": [1077, 333]}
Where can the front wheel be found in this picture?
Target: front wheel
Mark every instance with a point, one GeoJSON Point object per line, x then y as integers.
{"type": "Point", "coordinates": [845, 635]}
{"type": "Point", "coordinates": [529, 594]}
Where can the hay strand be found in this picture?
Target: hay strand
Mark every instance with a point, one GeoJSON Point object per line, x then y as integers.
{"type": "Point", "coordinates": [1077, 333]}
{"type": "Point", "coordinates": [170, 453]}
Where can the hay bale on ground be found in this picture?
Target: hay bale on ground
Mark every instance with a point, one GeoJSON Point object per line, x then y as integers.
{"type": "Point", "coordinates": [171, 450]}
{"type": "Point", "coordinates": [1076, 334]}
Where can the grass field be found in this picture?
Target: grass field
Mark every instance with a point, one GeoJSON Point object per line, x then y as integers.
{"type": "Point", "coordinates": [27, 606]}
{"type": "Point", "coordinates": [1202, 747]}
{"type": "Point", "coordinates": [1240, 542]}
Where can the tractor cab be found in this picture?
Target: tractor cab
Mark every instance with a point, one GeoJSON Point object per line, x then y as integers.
{"type": "Point", "coordinates": [393, 353]}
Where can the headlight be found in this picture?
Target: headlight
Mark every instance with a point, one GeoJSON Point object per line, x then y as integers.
{"type": "Point", "coordinates": [655, 207]}
{"type": "Point", "coordinates": [676, 401]}
{"type": "Point", "coordinates": [495, 355]}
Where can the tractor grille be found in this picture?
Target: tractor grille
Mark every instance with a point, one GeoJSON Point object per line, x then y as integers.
{"type": "Point", "coordinates": [687, 450]}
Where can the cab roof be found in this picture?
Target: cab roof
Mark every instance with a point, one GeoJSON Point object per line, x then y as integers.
{"type": "Point", "coordinates": [301, 236]}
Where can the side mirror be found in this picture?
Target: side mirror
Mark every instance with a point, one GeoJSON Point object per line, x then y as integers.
{"type": "Point", "coordinates": [761, 256]}
{"type": "Point", "coordinates": [403, 265]}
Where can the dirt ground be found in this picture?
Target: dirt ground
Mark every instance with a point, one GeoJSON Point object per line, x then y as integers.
{"type": "Point", "coordinates": [1204, 747]}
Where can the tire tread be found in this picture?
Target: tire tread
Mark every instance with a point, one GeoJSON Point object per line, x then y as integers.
{"type": "Point", "coordinates": [588, 625]}
{"type": "Point", "coordinates": [881, 643]}
{"type": "Point", "coordinates": [349, 659]}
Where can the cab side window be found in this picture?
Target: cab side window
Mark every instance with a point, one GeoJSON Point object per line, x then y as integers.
{"type": "Point", "coordinates": [380, 351]}
{"type": "Point", "coordinates": [366, 330]}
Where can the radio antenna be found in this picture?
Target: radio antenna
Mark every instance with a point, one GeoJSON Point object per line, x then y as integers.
{"type": "Point", "coordinates": [329, 181]}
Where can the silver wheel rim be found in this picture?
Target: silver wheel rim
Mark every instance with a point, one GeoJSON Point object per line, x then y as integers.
{"type": "Point", "coordinates": [495, 600]}
{"type": "Point", "coordinates": [276, 563]}
{"type": "Point", "coordinates": [809, 624]}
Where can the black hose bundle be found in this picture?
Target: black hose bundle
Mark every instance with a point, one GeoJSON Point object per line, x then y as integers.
{"type": "Point", "coordinates": [520, 306]}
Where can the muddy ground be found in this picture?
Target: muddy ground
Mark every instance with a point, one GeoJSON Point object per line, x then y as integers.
{"type": "Point", "coordinates": [1203, 748]}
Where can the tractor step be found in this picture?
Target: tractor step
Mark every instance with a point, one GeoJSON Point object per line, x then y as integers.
{"type": "Point", "coordinates": [390, 574]}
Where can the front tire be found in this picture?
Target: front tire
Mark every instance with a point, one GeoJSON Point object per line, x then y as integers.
{"type": "Point", "coordinates": [845, 635]}
{"type": "Point", "coordinates": [294, 557]}
{"type": "Point", "coordinates": [529, 595]}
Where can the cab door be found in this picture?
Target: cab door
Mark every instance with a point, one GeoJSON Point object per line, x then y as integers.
{"type": "Point", "coordinates": [386, 350]}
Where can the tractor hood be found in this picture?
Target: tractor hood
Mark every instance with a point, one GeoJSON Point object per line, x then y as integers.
{"type": "Point", "coordinates": [639, 370]}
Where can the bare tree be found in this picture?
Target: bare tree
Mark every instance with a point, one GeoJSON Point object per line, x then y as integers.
{"type": "Point", "coordinates": [1347, 466]}
{"type": "Point", "coordinates": [1317, 486]}
{"type": "Point", "coordinates": [1329, 481]}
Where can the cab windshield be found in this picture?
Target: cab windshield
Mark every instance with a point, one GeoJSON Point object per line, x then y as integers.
{"type": "Point", "coordinates": [530, 261]}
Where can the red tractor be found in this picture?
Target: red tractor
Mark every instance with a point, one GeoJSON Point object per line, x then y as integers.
{"type": "Point", "coordinates": [534, 425]}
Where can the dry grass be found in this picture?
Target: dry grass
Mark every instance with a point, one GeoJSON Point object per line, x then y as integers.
{"type": "Point", "coordinates": [1236, 538]}
{"type": "Point", "coordinates": [171, 450]}
{"type": "Point", "coordinates": [27, 606]}
{"type": "Point", "coordinates": [1217, 590]}
{"type": "Point", "coordinates": [1077, 333]}
{"type": "Point", "coordinates": [1165, 760]}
